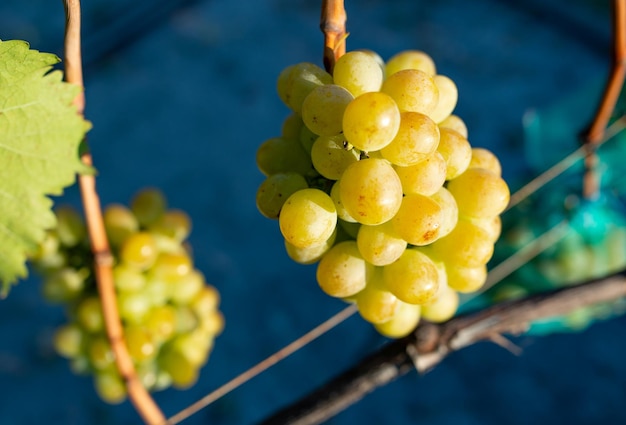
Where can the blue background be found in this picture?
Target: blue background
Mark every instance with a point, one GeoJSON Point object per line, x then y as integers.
{"type": "Point", "coordinates": [181, 94]}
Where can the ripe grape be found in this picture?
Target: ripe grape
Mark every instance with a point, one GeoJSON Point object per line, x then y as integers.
{"type": "Point", "coordinates": [371, 121]}
{"type": "Point", "coordinates": [323, 108]}
{"type": "Point", "coordinates": [370, 191]}
{"type": "Point", "coordinates": [413, 90]}
{"type": "Point", "coordinates": [410, 59]}
{"type": "Point", "coordinates": [417, 139]}
{"type": "Point", "coordinates": [308, 218]}
{"type": "Point", "coordinates": [342, 271]}
{"type": "Point", "coordinates": [359, 72]}
{"type": "Point", "coordinates": [413, 278]}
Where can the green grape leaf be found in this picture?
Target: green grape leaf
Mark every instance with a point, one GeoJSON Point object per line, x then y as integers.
{"type": "Point", "coordinates": [40, 134]}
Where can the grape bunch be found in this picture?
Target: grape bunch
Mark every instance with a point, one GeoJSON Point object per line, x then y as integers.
{"type": "Point", "coordinates": [169, 313]}
{"type": "Point", "coordinates": [374, 178]}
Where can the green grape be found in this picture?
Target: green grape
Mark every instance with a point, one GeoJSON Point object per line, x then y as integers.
{"type": "Point", "coordinates": [128, 278]}
{"type": "Point", "coordinates": [413, 90]}
{"type": "Point", "coordinates": [484, 158]}
{"type": "Point", "coordinates": [359, 72]}
{"type": "Point", "coordinates": [160, 322]}
{"type": "Point", "coordinates": [449, 210]}
{"type": "Point", "coordinates": [419, 220]}
{"type": "Point", "coordinates": [70, 227]}
{"type": "Point", "coordinates": [310, 254]}
{"type": "Point", "coordinates": [89, 314]}
{"type": "Point", "coordinates": [322, 109]}
{"type": "Point", "coordinates": [380, 244]}
{"type": "Point", "coordinates": [466, 279]}
{"type": "Point", "coordinates": [181, 371]}
{"type": "Point", "coordinates": [426, 177]}
{"type": "Point", "coordinates": [402, 323]}
{"type": "Point", "coordinates": [281, 82]}
{"type": "Point", "coordinates": [413, 278]}
{"type": "Point", "coordinates": [508, 292]}
{"type": "Point", "coordinates": [148, 375]}
{"type": "Point", "coordinates": [275, 190]}
{"type": "Point", "coordinates": [183, 289]}
{"type": "Point", "coordinates": [279, 155]}
{"type": "Point", "coordinates": [492, 225]}
{"type": "Point", "coordinates": [448, 96]}
{"type": "Point", "coordinates": [417, 138]}
{"type": "Point", "coordinates": [410, 59]}
{"type": "Point", "coordinates": [110, 387]}
{"type": "Point", "coordinates": [467, 246]}
{"type": "Point", "coordinates": [331, 157]}
{"type": "Point", "coordinates": [133, 306]}
{"type": "Point", "coordinates": [156, 291]}
{"type": "Point", "coordinates": [49, 256]}
{"type": "Point", "coordinates": [480, 193]}
{"type": "Point", "coordinates": [306, 139]}
{"type": "Point", "coordinates": [456, 150]}
{"type": "Point", "coordinates": [205, 301]}
{"type": "Point", "coordinates": [148, 205]}
{"type": "Point", "coordinates": [100, 353]}
{"type": "Point", "coordinates": [141, 346]}
{"type": "Point", "coordinates": [119, 222]}
{"type": "Point", "coordinates": [371, 121]}
{"type": "Point", "coordinates": [194, 346]}
{"type": "Point", "coordinates": [139, 250]}
{"type": "Point", "coordinates": [171, 267]}
{"type": "Point", "coordinates": [186, 319]}
{"type": "Point", "coordinates": [68, 340]}
{"type": "Point", "coordinates": [308, 218]}
{"type": "Point", "coordinates": [375, 303]}
{"type": "Point", "coordinates": [80, 365]}
{"type": "Point", "coordinates": [616, 249]}
{"type": "Point", "coordinates": [212, 323]}
{"type": "Point", "coordinates": [342, 271]}
{"type": "Point", "coordinates": [297, 81]}
{"type": "Point", "coordinates": [335, 195]}
{"type": "Point", "coordinates": [370, 191]}
{"type": "Point", "coordinates": [292, 125]}
{"type": "Point", "coordinates": [64, 284]}
{"type": "Point", "coordinates": [444, 306]}
{"type": "Point", "coordinates": [174, 224]}
{"type": "Point", "coordinates": [454, 122]}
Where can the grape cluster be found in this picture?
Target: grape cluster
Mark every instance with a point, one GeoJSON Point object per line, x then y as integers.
{"type": "Point", "coordinates": [374, 177]}
{"type": "Point", "coordinates": [169, 313]}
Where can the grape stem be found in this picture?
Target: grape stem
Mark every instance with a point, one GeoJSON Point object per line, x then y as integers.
{"type": "Point", "coordinates": [103, 260]}
{"type": "Point", "coordinates": [595, 132]}
{"type": "Point", "coordinates": [430, 343]}
{"type": "Point", "coordinates": [333, 25]}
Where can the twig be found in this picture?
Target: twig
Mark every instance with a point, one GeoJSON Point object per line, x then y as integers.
{"type": "Point", "coordinates": [103, 260]}
{"type": "Point", "coordinates": [333, 25]}
{"type": "Point", "coordinates": [264, 365]}
{"type": "Point", "coordinates": [430, 343]}
{"type": "Point", "coordinates": [611, 93]}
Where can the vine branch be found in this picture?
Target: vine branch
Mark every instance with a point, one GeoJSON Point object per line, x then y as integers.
{"type": "Point", "coordinates": [430, 343]}
{"type": "Point", "coordinates": [103, 260]}
{"type": "Point", "coordinates": [333, 25]}
{"type": "Point", "coordinates": [615, 82]}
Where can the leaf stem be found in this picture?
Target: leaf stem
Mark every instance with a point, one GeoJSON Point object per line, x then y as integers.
{"type": "Point", "coordinates": [103, 259]}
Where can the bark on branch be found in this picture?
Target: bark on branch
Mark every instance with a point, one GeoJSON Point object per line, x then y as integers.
{"type": "Point", "coordinates": [430, 343]}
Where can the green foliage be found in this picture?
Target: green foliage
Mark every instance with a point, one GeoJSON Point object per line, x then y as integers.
{"type": "Point", "coordinates": [40, 133]}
